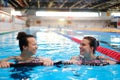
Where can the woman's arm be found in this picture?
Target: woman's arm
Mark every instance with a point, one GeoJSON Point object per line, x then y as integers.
{"type": "Point", "coordinates": [46, 61]}
{"type": "Point", "coordinates": [7, 59]}
{"type": "Point", "coordinates": [74, 60]}
{"type": "Point", "coordinates": [107, 60]}
{"type": "Point", "coordinates": [111, 62]}
{"type": "Point", "coordinates": [4, 63]}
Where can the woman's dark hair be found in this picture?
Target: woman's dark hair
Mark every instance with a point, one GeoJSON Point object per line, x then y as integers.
{"type": "Point", "coordinates": [93, 42]}
{"type": "Point", "coordinates": [22, 37]}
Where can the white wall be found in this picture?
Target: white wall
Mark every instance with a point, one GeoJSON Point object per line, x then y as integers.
{"type": "Point", "coordinates": [10, 23]}
{"type": "Point", "coordinates": [74, 24]}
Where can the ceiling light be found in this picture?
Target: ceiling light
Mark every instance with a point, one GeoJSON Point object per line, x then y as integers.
{"type": "Point", "coordinates": [115, 14]}
{"type": "Point", "coordinates": [66, 14]}
{"type": "Point", "coordinates": [16, 13]}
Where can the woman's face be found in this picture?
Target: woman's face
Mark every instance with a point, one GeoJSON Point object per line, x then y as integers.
{"type": "Point", "coordinates": [32, 45]}
{"type": "Point", "coordinates": [85, 47]}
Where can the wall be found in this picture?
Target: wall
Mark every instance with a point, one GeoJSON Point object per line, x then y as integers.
{"type": "Point", "coordinates": [10, 23]}
{"type": "Point", "coordinates": [76, 24]}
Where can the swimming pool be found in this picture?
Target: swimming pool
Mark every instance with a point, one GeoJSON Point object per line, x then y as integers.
{"type": "Point", "coordinates": [58, 47]}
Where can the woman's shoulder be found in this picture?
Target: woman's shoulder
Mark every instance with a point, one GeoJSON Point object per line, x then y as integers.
{"type": "Point", "coordinates": [9, 58]}
{"type": "Point", "coordinates": [17, 57]}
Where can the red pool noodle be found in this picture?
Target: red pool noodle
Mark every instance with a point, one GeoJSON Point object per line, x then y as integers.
{"type": "Point", "coordinates": [111, 53]}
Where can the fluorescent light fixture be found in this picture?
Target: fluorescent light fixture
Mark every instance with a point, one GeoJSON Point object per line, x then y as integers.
{"type": "Point", "coordinates": [16, 13]}
{"type": "Point", "coordinates": [61, 19]}
{"type": "Point", "coordinates": [2, 15]}
{"type": "Point", "coordinates": [66, 14]}
{"type": "Point", "coordinates": [115, 14]}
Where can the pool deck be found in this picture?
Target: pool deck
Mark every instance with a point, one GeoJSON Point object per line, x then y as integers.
{"type": "Point", "coordinates": [90, 29]}
{"type": "Point", "coordinates": [102, 29]}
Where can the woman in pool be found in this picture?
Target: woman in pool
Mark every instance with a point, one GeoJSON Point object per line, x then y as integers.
{"type": "Point", "coordinates": [87, 54]}
{"type": "Point", "coordinates": [28, 47]}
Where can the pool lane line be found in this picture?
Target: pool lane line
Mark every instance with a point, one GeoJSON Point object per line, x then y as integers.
{"type": "Point", "coordinates": [111, 53]}
{"type": "Point", "coordinates": [111, 45]}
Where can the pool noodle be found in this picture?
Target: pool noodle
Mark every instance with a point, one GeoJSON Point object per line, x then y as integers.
{"type": "Point", "coordinates": [34, 64]}
{"type": "Point", "coordinates": [55, 64]}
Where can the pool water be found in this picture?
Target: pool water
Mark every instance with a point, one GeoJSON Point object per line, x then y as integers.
{"type": "Point", "coordinates": [58, 48]}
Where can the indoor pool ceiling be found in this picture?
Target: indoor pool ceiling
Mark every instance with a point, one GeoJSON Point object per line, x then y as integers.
{"type": "Point", "coordinates": [66, 5]}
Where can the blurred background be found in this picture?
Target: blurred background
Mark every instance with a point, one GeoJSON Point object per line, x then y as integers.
{"type": "Point", "coordinates": [71, 14]}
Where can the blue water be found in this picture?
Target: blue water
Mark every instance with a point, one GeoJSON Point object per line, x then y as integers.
{"type": "Point", "coordinates": [58, 47]}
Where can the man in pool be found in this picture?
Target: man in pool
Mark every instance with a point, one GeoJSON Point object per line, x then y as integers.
{"type": "Point", "coordinates": [28, 47]}
{"type": "Point", "coordinates": [87, 50]}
